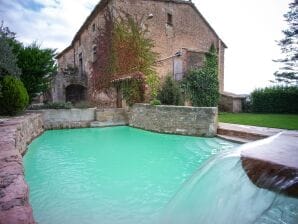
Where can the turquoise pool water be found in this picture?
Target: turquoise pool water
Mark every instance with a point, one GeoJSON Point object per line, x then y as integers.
{"type": "Point", "coordinates": [116, 175]}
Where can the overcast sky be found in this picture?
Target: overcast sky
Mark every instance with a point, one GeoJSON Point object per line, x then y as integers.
{"type": "Point", "coordinates": [249, 28]}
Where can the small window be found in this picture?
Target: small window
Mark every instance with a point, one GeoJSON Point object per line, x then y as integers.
{"type": "Point", "coordinates": [169, 19]}
{"type": "Point", "coordinates": [94, 52]}
{"type": "Point", "coordinates": [80, 64]}
{"type": "Point", "coordinates": [93, 27]}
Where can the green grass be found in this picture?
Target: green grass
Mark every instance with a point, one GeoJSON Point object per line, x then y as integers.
{"type": "Point", "coordinates": [283, 121]}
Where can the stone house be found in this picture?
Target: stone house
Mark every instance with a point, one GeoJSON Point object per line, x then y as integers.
{"type": "Point", "coordinates": [180, 33]}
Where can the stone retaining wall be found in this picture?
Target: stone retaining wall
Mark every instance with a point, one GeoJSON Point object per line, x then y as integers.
{"type": "Point", "coordinates": [15, 135]}
{"type": "Point", "coordinates": [67, 118]}
{"type": "Point", "coordinates": [197, 121]}
{"type": "Point", "coordinates": [110, 117]}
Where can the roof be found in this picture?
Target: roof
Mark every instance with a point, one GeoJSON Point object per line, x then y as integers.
{"type": "Point", "coordinates": [102, 3]}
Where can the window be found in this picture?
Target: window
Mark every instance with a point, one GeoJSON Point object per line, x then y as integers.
{"type": "Point", "coordinates": [169, 19]}
{"type": "Point", "coordinates": [93, 27]}
{"type": "Point", "coordinates": [81, 64]}
{"type": "Point", "coordinates": [94, 51]}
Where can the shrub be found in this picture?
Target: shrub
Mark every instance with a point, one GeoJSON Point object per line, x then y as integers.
{"type": "Point", "coordinates": [170, 93]}
{"type": "Point", "coordinates": [14, 97]}
{"type": "Point", "coordinates": [246, 105]}
{"type": "Point", "coordinates": [83, 105]}
{"type": "Point", "coordinates": [278, 99]}
{"type": "Point", "coordinates": [155, 102]}
{"type": "Point", "coordinates": [133, 91]}
{"type": "Point", "coordinates": [57, 105]}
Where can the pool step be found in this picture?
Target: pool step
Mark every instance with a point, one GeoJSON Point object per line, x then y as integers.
{"type": "Point", "coordinates": [96, 124]}
{"type": "Point", "coordinates": [234, 139]}
{"type": "Point", "coordinates": [248, 133]}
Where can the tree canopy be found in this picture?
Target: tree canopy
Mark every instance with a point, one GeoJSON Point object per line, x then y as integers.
{"type": "Point", "coordinates": [288, 72]}
{"type": "Point", "coordinates": [38, 67]}
{"type": "Point", "coordinates": [8, 60]}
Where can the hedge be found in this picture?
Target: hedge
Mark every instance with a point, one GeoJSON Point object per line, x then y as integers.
{"type": "Point", "coordinates": [278, 99]}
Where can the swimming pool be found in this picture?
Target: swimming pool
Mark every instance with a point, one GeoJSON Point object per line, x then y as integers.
{"type": "Point", "coordinates": [115, 175]}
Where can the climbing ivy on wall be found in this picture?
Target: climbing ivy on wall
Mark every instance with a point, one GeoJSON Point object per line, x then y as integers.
{"type": "Point", "coordinates": [133, 91]}
{"type": "Point", "coordinates": [123, 49]}
{"type": "Point", "coordinates": [200, 85]}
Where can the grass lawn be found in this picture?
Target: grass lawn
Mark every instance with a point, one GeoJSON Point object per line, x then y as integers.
{"type": "Point", "coordinates": [283, 121]}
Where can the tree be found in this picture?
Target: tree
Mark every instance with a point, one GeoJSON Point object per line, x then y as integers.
{"type": "Point", "coordinates": [8, 59]}
{"type": "Point", "coordinates": [201, 85]}
{"type": "Point", "coordinates": [288, 73]}
{"type": "Point", "coordinates": [170, 93]}
{"type": "Point", "coordinates": [38, 67]}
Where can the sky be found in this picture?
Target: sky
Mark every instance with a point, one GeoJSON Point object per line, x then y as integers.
{"type": "Point", "coordinates": [250, 29]}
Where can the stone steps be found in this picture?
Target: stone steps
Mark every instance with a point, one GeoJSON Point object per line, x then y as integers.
{"type": "Point", "coordinates": [96, 124]}
{"type": "Point", "coordinates": [234, 139]}
{"type": "Point", "coordinates": [245, 132]}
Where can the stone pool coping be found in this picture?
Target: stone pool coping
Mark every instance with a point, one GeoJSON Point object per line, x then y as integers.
{"type": "Point", "coordinates": [15, 134]}
{"type": "Point", "coordinates": [272, 163]}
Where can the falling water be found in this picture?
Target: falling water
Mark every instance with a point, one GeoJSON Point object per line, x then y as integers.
{"type": "Point", "coordinates": [221, 193]}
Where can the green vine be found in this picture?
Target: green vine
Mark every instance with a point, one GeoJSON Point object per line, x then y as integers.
{"type": "Point", "coordinates": [200, 85]}
{"type": "Point", "coordinates": [129, 51]}
{"type": "Point", "coordinates": [132, 91]}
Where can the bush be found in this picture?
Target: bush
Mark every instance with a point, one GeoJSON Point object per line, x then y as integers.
{"type": "Point", "coordinates": [14, 97]}
{"type": "Point", "coordinates": [58, 105]}
{"type": "Point", "coordinates": [246, 105]}
{"type": "Point", "coordinates": [170, 93]}
{"type": "Point", "coordinates": [133, 91]}
{"type": "Point", "coordinates": [83, 105]}
{"type": "Point", "coordinates": [278, 99]}
{"type": "Point", "coordinates": [155, 102]}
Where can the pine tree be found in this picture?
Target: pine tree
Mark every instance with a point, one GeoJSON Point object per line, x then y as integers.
{"type": "Point", "coordinates": [288, 72]}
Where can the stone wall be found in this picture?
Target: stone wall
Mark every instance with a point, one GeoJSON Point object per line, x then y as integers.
{"type": "Point", "coordinates": [197, 121]}
{"type": "Point", "coordinates": [67, 118]}
{"type": "Point", "coordinates": [110, 117]}
{"type": "Point", "coordinates": [15, 135]}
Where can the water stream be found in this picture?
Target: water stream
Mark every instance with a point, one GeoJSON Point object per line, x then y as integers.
{"type": "Point", "coordinates": [220, 192]}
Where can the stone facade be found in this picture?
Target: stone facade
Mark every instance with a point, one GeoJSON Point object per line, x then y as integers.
{"type": "Point", "coordinates": [196, 121]}
{"type": "Point", "coordinates": [180, 33]}
{"type": "Point", "coordinates": [15, 134]}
